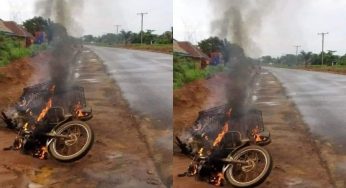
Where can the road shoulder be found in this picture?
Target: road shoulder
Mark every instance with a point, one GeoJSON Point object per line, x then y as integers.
{"type": "Point", "coordinates": [297, 161]}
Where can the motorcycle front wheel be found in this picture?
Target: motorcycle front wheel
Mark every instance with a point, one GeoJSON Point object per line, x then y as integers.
{"type": "Point", "coordinates": [76, 143]}
{"type": "Point", "coordinates": [257, 169]}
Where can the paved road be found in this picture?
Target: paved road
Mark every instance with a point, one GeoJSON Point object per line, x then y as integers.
{"type": "Point", "coordinates": [145, 78]}
{"type": "Point", "coordinates": [321, 99]}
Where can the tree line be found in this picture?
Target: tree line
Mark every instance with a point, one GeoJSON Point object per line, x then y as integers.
{"type": "Point", "coordinates": [129, 37]}
{"type": "Point", "coordinates": [305, 58]}
{"type": "Point", "coordinates": [232, 52]}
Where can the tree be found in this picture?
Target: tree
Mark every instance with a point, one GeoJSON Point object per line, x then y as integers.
{"type": "Point", "coordinates": [165, 38]}
{"type": "Point", "coordinates": [342, 60]}
{"type": "Point", "coordinates": [88, 38]}
{"type": "Point", "coordinates": [267, 59]}
{"type": "Point", "coordinates": [209, 45]}
{"type": "Point", "coordinates": [148, 36]}
{"type": "Point", "coordinates": [288, 59]}
{"type": "Point", "coordinates": [126, 36]}
{"type": "Point", "coordinates": [330, 57]}
{"type": "Point", "coordinates": [35, 24]}
{"type": "Point", "coordinates": [306, 57]}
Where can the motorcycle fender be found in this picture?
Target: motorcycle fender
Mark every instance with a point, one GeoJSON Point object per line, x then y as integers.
{"type": "Point", "coordinates": [49, 141]}
{"type": "Point", "coordinates": [225, 167]}
{"type": "Point", "coordinates": [69, 118]}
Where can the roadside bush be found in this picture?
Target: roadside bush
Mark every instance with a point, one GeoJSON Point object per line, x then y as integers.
{"type": "Point", "coordinates": [10, 49]}
{"type": "Point", "coordinates": [16, 53]}
{"type": "Point", "coordinates": [4, 57]}
{"type": "Point", "coordinates": [186, 70]}
{"type": "Point", "coordinates": [36, 48]}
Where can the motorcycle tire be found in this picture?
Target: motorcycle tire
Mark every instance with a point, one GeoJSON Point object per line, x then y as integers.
{"type": "Point", "coordinates": [230, 174]}
{"type": "Point", "coordinates": [52, 148]}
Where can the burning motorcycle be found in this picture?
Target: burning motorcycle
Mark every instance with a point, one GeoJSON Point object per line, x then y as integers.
{"type": "Point", "coordinates": [51, 120]}
{"type": "Point", "coordinates": [225, 147]}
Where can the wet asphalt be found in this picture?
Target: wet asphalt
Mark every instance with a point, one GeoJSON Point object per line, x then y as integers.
{"type": "Point", "coordinates": [321, 99]}
{"type": "Point", "coordinates": [145, 79]}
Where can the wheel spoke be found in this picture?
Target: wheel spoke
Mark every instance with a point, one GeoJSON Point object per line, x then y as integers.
{"type": "Point", "coordinates": [249, 172]}
{"type": "Point", "coordinates": [77, 140]}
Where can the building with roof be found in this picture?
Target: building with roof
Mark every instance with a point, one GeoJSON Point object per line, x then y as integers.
{"type": "Point", "coordinates": [4, 29]}
{"type": "Point", "coordinates": [24, 37]}
{"type": "Point", "coordinates": [177, 50]}
{"type": "Point", "coordinates": [191, 51]}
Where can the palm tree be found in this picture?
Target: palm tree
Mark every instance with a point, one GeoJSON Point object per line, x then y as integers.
{"type": "Point", "coordinates": [306, 56]}
{"type": "Point", "coordinates": [126, 35]}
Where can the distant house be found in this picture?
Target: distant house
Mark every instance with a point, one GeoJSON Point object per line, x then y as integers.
{"type": "Point", "coordinates": [24, 37]}
{"type": "Point", "coordinates": [4, 29]}
{"type": "Point", "coordinates": [194, 52]}
{"type": "Point", "coordinates": [177, 50]}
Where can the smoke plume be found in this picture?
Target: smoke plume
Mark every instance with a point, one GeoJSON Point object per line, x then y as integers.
{"type": "Point", "coordinates": [63, 12]}
{"type": "Point", "coordinates": [239, 21]}
{"type": "Point", "coordinates": [61, 15]}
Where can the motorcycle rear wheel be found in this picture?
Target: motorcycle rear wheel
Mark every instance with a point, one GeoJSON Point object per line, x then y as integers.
{"type": "Point", "coordinates": [258, 168]}
{"type": "Point", "coordinates": [74, 148]}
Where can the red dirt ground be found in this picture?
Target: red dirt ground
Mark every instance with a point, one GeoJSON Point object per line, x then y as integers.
{"type": "Point", "coordinates": [297, 161]}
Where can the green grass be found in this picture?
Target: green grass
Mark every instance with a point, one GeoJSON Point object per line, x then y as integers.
{"type": "Point", "coordinates": [325, 68]}
{"type": "Point", "coordinates": [10, 50]}
{"type": "Point", "coordinates": [186, 70]}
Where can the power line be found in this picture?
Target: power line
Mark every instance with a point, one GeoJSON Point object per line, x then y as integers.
{"type": "Point", "coordinates": [117, 28]}
{"type": "Point", "coordinates": [323, 43]}
{"type": "Point", "coordinates": [142, 14]}
{"type": "Point", "coordinates": [297, 47]}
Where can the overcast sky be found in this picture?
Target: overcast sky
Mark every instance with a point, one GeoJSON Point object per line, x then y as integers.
{"type": "Point", "coordinates": [286, 24]}
{"type": "Point", "coordinates": [101, 16]}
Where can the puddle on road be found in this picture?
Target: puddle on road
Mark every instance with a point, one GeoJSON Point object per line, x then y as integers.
{"type": "Point", "coordinates": [76, 75]}
{"type": "Point", "coordinates": [91, 80]}
{"type": "Point", "coordinates": [93, 61]}
{"type": "Point", "coordinates": [269, 103]}
{"type": "Point", "coordinates": [297, 182]}
{"type": "Point", "coordinates": [114, 155]}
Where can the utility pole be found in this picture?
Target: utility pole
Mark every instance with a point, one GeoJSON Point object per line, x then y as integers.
{"type": "Point", "coordinates": [142, 14]}
{"type": "Point", "coordinates": [297, 47]}
{"type": "Point", "coordinates": [323, 43]}
{"type": "Point", "coordinates": [117, 28]}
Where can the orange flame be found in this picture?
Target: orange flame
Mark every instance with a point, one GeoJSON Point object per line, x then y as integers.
{"type": "Point", "coordinates": [78, 110]}
{"type": "Point", "coordinates": [255, 134]}
{"type": "Point", "coordinates": [44, 110]}
{"type": "Point", "coordinates": [221, 135]}
{"type": "Point", "coordinates": [219, 179]}
{"type": "Point", "coordinates": [43, 153]}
